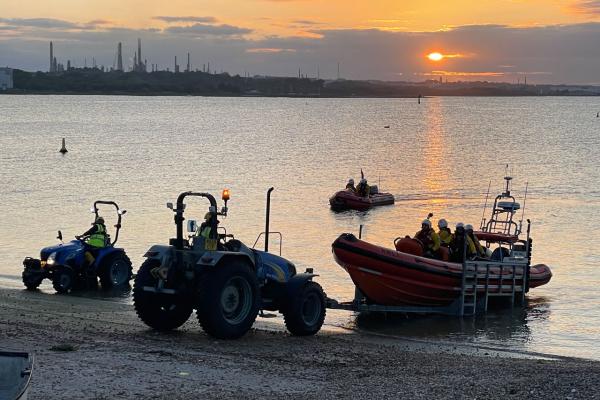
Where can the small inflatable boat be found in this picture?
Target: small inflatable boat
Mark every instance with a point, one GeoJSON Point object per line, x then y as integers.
{"type": "Point", "coordinates": [349, 200]}
{"type": "Point", "coordinates": [15, 373]}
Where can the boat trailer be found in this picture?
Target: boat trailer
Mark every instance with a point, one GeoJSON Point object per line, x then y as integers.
{"type": "Point", "coordinates": [475, 292]}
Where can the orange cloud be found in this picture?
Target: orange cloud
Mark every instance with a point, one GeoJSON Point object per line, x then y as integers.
{"type": "Point", "coordinates": [269, 50]}
{"type": "Point", "coordinates": [589, 7]}
{"type": "Point", "coordinates": [457, 55]}
{"type": "Point", "coordinates": [463, 73]}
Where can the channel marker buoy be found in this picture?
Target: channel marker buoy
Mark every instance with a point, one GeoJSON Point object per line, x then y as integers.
{"type": "Point", "coordinates": [63, 149]}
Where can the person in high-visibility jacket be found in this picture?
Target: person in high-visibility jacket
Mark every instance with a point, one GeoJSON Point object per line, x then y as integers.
{"type": "Point", "coordinates": [457, 245]}
{"type": "Point", "coordinates": [206, 227]}
{"type": "Point", "coordinates": [96, 235]}
{"type": "Point", "coordinates": [445, 233]}
{"type": "Point", "coordinates": [350, 185]}
{"type": "Point", "coordinates": [94, 238]}
{"type": "Point", "coordinates": [429, 238]}
{"type": "Point", "coordinates": [363, 189]}
{"type": "Point", "coordinates": [480, 249]}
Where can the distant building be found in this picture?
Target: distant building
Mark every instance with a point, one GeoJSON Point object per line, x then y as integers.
{"type": "Point", "coordinates": [6, 78]}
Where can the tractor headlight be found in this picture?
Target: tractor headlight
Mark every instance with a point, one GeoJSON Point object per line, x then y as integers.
{"type": "Point", "coordinates": [51, 259]}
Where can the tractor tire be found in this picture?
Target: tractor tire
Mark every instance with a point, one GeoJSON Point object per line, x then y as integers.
{"type": "Point", "coordinates": [115, 270]}
{"type": "Point", "coordinates": [305, 312]}
{"type": "Point", "coordinates": [163, 312]}
{"type": "Point", "coordinates": [228, 300]}
{"type": "Point", "coordinates": [31, 279]}
{"type": "Point", "coordinates": [63, 280]}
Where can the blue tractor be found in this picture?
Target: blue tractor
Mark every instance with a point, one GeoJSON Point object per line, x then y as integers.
{"type": "Point", "coordinates": [74, 264]}
{"type": "Point", "coordinates": [225, 281]}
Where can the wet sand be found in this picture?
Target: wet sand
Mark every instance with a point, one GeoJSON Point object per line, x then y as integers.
{"type": "Point", "coordinates": [98, 349]}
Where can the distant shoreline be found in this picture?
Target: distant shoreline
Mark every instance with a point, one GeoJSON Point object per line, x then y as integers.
{"type": "Point", "coordinates": [177, 94]}
{"type": "Point", "coordinates": [92, 81]}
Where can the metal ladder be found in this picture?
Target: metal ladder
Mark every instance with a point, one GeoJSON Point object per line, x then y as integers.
{"type": "Point", "coordinates": [506, 284]}
{"type": "Point", "coordinates": [468, 292]}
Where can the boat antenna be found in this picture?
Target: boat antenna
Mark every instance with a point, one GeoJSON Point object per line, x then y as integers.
{"type": "Point", "coordinates": [523, 210]}
{"type": "Point", "coordinates": [507, 178]}
{"type": "Point", "coordinates": [485, 205]}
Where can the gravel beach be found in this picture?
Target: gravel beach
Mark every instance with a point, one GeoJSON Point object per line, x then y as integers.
{"type": "Point", "coordinates": [98, 349]}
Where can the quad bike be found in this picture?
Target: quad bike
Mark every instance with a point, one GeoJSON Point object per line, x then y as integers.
{"type": "Point", "coordinates": [225, 281]}
{"type": "Point", "coordinates": [68, 266]}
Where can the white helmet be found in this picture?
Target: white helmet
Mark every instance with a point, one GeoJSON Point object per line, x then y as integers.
{"type": "Point", "coordinates": [426, 222]}
{"type": "Point", "coordinates": [468, 227]}
{"type": "Point", "coordinates": [442, 223]}
{"type": "Point", "coordinates": [351, 181]}
{"type": "Point", "coordinates": [460, 225]}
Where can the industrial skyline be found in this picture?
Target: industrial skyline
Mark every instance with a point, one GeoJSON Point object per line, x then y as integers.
{"type": "Point", "coordinates": [137, 65]}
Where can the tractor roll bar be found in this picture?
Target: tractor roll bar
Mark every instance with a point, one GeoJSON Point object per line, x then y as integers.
{"type": "Point", "coordinates": [119, 214]}
{"type": "Point", "coordinates": [179, 216]}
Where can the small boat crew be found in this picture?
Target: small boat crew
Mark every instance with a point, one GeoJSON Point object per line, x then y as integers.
{"type": "Point", "coordinates": [362, 197]}
{"type": "Point", "coordinates": [350, 185]}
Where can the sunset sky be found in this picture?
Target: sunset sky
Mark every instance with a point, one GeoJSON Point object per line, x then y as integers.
{"type": "Point", "coordinates": [552, 41]}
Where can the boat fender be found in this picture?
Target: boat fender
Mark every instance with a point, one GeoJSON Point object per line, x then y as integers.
{"type": "Point", "coordinates": [409, 245]}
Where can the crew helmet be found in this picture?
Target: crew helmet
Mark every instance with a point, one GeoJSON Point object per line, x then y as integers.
{"type": "Point", "coordinates": [468, 227]}
{"type": "Point", "coordinates": [351, 181]}
{"type": "Point", "coordinates": [426, 222]}
{"type": "Point", "coordinates": [442, 223]}
{"type": "Point", "coordinates": [207, 216]}
{"type": "Point", "coordinates": [100, 220]}
{"type": "Point", "coordinates": [363, 181]}
{"type": "Point", "coordinates": [460, 225]}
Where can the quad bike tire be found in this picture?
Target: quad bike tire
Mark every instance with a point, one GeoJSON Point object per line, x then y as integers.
{"type": "Point", "coordinates": [163, 312]}
{"type": "Point", "coordinates": [63, 279]}
{"type": "Point", "coordinates": [115, 270]}
{"type": "Point", "coordinates": [228, 299]}
{"type": "Point", "coordinates": [305, 312]}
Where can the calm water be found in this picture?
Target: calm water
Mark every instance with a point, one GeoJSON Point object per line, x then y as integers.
{"type": "Point", "coordinates": [436, 157]}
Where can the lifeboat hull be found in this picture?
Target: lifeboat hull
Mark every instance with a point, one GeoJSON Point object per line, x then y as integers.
{"type": "Point", "coordinates": [390, 277]}
{"type": "Point", "coordinates": [347, 200]}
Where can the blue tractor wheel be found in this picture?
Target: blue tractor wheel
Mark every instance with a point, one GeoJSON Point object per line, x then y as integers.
{"type": "Point", "coordinates": [305, 312]}
{"type": "Point", "coordinates": [115, 270]}
{"type": "Point", "coordinates": [229, 299]}
{"type": "Point", "coordinates": [160, 311]}
{"type": "Point", "coordinates": [63, 279]}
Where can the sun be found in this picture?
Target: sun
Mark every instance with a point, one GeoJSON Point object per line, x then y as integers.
{"type": "Point", "coordinates": [435, 56]}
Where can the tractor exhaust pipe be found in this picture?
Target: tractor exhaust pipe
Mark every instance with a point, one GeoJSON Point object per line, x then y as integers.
{"type": "Point", "coordinates": [267, 218]}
